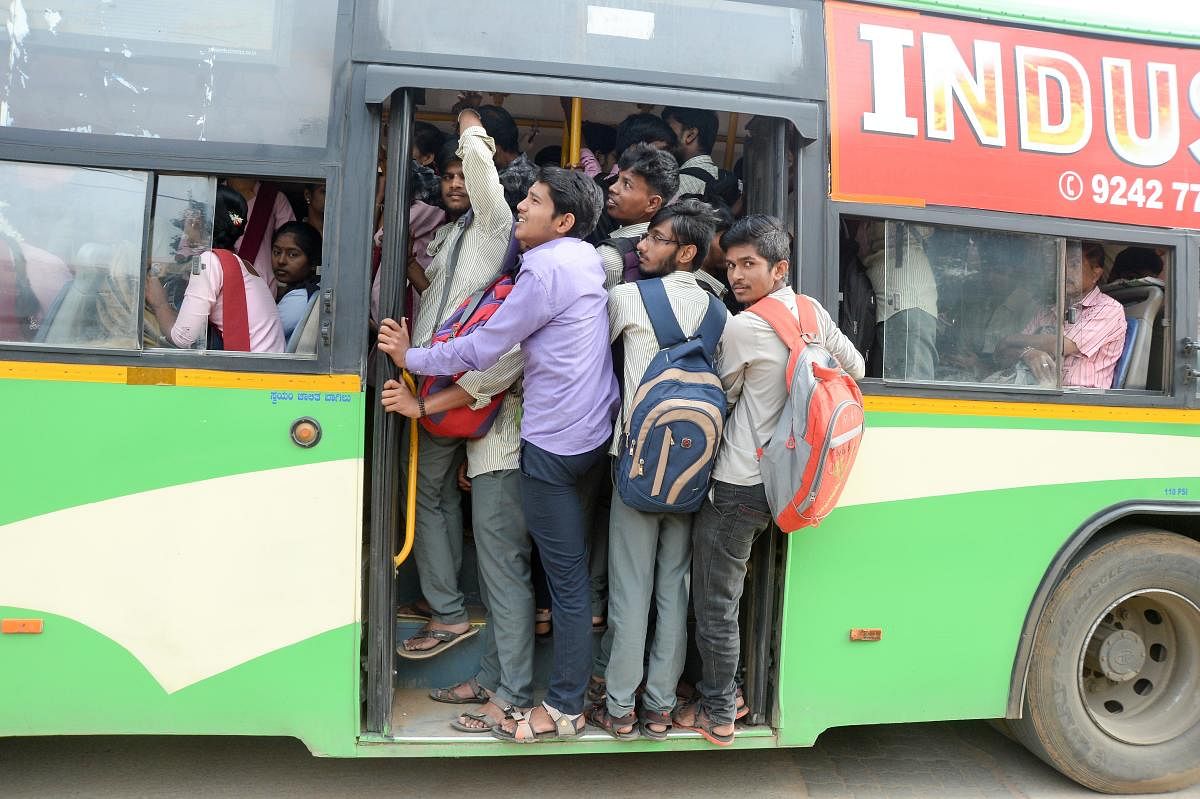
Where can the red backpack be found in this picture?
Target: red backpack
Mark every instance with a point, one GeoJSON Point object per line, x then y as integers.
{"type": "Point", "coordinates": [806, 463]}
{"type": "Point", "coordinates": [474, 311]}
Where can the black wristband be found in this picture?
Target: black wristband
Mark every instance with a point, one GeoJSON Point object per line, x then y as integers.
{"type": "Point", "coordinates": [421, 407]}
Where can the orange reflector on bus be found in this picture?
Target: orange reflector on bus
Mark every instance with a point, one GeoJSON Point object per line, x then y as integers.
{"type": "Point", "coordinates": [20, 626]}
{"type": "Point", "coordinates": [866, 633]}
{"type": "Point", "coordinates": [306, 432]}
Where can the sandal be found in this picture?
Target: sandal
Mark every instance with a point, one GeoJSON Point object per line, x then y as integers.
{"type": "Point", "coordinates": [415, 610]}
{"type": "Point", "coordinates": [542, 622]}
{"type": "Point", "coordinates": [740, 708]}
{"type": "Point", "coordinates": [598, 716]}
{"type": "Point", "coordinates": [478, 696]}
{"type": "Point", "coordinates": [481, 715]}
{"type": "Point", "coordinates": [646, 718]}
{"type": "Point", "coordinates": [523, 733]}
{"type": "Point", "coordinates": [701, 723]}
{"type": "Point", "coordinates": [445, 639]}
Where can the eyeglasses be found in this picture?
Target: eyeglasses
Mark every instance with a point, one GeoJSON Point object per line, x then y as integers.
{"type": "Point", "coordinates": [657, 239]}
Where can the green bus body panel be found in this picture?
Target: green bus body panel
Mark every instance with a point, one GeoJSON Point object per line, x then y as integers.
{"type": "Point", "coordinates": [70, 680]}
{"type": "Point", "coordinates": [949, 580]}
{"type": "Point", "coordinates": [86, 442]}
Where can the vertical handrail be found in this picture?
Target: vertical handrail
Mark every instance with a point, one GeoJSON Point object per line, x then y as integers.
{"type": "Point", "coordinates": [731, 140]}
{"type": "Point", "coordinates": [575, 141]}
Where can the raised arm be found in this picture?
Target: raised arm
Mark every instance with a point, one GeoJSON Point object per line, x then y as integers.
{"type": "Point", "coordinates": [476, 149]}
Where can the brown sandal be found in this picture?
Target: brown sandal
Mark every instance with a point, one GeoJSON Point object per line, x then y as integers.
{"type": "Point", "coordinates": [648, 717]}
{"type": "Point", "coordinates": [701, 723]}
{"type": "Point", "coordinates": [598, 716]}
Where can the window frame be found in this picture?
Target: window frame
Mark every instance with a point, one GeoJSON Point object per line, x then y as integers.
{"type": "Point", "coordinates": [1181, 300]}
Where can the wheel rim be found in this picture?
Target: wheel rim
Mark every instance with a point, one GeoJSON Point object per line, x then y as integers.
{"type": "Point", "coordinates": [1139, 669]}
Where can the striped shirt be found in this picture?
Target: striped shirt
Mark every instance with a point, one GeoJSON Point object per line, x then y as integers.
{"type": "Point", "coordinates": [614, 264]}
{"type": "Point", "coordinates": [899, 270]}
{"type": "Point", "coordinates": [627, 317]}
{"type": "Point", "coordinates": [689, 184]}
{"type": "Point", "coordinates": [753, 369]}
{"type": "Point", "coordinates": [711, 284]}
{"type": "Point", "coordinates": [484, 243]}
{"type": "Point", "coordinates": [1098, 333]}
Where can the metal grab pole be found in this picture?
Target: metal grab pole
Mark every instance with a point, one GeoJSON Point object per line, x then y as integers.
{"type": "Point", "coordinates": [576, 131]}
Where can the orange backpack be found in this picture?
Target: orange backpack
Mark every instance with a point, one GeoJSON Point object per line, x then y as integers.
{"type": "Point", "coordinates": [806, 463]}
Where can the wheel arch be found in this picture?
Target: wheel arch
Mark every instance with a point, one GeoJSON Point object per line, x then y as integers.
{"type": "Point", "coordinates": [1182, 518]}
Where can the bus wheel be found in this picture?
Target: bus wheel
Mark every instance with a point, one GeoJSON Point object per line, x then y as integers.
{"type": "Point", "coordinates": [1112, 699]}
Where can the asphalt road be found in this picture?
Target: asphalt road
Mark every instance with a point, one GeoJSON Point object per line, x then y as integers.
{"type": "Point", "coordinates": [953, 760]}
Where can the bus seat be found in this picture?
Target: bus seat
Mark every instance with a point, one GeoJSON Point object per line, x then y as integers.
{"type": "Point", "coordinates": [1122, 371]}
{"type": "Point", "coordinates": [304, 338]}
{"type": "Point", "coordinates": [1143, 301]}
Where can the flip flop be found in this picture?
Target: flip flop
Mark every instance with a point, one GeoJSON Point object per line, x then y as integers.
{"type": "Point", "coordinates": [480, 716]}
{"type": "Point", "coordinates": [445, 639]}
{"type": "Point", "coordinates": [478, 694]}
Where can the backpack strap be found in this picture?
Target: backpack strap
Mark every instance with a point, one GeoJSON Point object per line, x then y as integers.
{"type": "Point", "coordinates": [712, 326]}
{"type": "Point", "coordinates": [700, 174]}
{"type": "Point", "coordinates": [235, 319]}
{"type": "Point", "coordinates": [797, 330]}
{"type": "Point", "coordinates": [806, 313]}
{"type": "Point", "coordinates": [256, 225]}
{"type": "Point", "coordinates": [658, 308]}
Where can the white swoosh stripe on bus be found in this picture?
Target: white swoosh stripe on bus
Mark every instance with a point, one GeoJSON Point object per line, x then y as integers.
{"type": "Point", "coordinates": [896, 463]}
{"type": "Point", "coordinates": [198, 578]}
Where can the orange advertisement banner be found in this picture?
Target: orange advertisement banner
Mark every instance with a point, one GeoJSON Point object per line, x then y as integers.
{"type": "Point", "coordinates": [939, 111]}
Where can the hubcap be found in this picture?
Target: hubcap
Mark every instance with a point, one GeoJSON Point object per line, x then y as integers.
{"type": "Point", "coordinates": [1139, 673]}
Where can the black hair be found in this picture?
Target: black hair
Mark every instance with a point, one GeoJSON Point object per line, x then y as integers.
{"type": "Point", "coordinates": [447, 155]}
{"type": "Point", "coordinates": [1094, 251]}
{"type": "Point", "coordinates": [723, 215]}
{"type": "Point", "coordinates": [427, 138]}
{"type": "Point", "coordinates": [692, 222]}
{"type": "Point", "coordinates": [1135, 262]}
{"type": "Point", "coordinates": [575, 193]}
{"type": "Point", "coordinates": [765, 233]}
{"type": "Point", "coordinates": [550, 155]}
{"type": "Point", "coordinates": [599, 138]}
{"type": "Point", "coordinates": [642, 128]}
{"type": "Point", "coordinates": [227, 230]}
{"type": "Point", "coordinates": [657, 167]}
{"type": "Point", "coordinates": [516, 178]}
{"type": "Point", "coordinates": [307, 237]}
{"type": "Point", "coordinates": [705, 123]}
{"type": "Point", "coordinates": [500, 126]}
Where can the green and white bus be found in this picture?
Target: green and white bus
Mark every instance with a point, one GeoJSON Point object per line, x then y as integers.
{"type": "Point", "coordinates": [195, 541]}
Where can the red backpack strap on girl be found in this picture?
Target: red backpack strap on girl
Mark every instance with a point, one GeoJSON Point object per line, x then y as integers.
{"type": "Point", "coordinates": [235, 320]}
{"type": "Point", "coordinates": [260, 217]}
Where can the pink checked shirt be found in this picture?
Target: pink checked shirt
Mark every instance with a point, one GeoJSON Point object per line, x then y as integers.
{"type": "Point", "coordinates": [1099, 333]}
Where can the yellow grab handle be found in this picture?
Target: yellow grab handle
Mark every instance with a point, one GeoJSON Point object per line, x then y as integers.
{"type": "Point", "coordinates": [410, 513]}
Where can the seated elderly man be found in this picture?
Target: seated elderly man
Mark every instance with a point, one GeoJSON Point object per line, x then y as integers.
{"type": "Point", "coordinates": [1092, 343]}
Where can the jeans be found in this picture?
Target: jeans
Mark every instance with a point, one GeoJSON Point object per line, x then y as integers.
{"type": "Point", "coordinates": [650, 559]}
{"type": "Point", "coordinates": [550, 491]}
{"type": "Point", "coordinates": [724, 531]}
{"type": "Point", "coordinates": [502, 546]}
{"type": "Point", "coordinates": [438, 541]}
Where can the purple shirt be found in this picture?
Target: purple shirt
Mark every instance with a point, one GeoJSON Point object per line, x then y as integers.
{"type": "Point", "coordinates": [558, 313]}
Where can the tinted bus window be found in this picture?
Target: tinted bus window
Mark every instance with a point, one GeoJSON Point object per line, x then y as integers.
{"type": "Point", "coordinates": [70, 245]}
{"type": "Point", "coordinates": [253, 71]}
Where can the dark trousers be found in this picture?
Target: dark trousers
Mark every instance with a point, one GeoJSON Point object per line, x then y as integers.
{"type": "Point", "coordinates": [722, 536]}
{"type": "Point", "coordinates": [550, 490]}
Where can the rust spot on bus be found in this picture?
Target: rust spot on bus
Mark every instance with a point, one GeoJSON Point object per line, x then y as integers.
{"type": "Point", "coordinates": [866, 633]}
{"type": "Point", "coordinates": [149, 376]}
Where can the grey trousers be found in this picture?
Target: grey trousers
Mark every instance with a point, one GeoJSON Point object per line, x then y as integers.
{"type": "Point", "coordinates": [502, 546]}
{"type": "Point", "coordinates": [438, 541]}
{"type": "Point", "coordinates": [649, 560]}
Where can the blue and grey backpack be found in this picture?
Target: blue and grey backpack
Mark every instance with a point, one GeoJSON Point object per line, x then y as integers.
{"type": "Point", "coordinates": [677, 416]}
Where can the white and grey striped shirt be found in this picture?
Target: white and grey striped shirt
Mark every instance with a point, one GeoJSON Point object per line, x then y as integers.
{"type": "Point", "coordinates": [627, 317]}
{"type": "Point", "coordinates": [614, 263]}
{"type": "Point", "coordinates": [689, 184]}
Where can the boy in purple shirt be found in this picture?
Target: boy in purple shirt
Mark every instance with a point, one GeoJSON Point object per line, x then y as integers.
{"type": "Point", "coordinates": [558, 313]}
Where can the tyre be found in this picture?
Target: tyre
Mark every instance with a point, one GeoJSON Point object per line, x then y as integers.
{"type": "Point", "coordinates": [1112, 697]}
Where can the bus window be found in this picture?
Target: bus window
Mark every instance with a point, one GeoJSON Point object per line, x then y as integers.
{"type": "Point", "coordinates": [963, 305]}
{"type": "Point", "coordinates": [274, 228]}
{"type": "Point", "coordinates": [70, 243]}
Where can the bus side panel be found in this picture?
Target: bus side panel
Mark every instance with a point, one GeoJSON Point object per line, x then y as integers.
{"type": "Point", "coordinates": [949, 576]}
{"type": "Point", "coordinates": [193, 569]}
